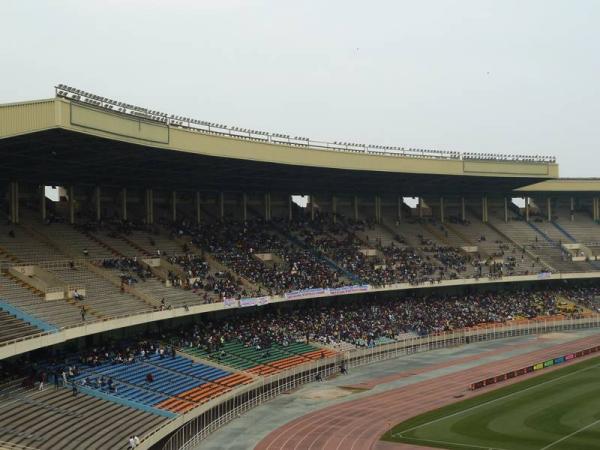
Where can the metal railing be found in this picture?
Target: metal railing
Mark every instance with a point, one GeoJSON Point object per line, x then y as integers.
{"type": "Point", "coordinates": [204, 420]}
{"type": "Point", "coordinates": [205, 127]}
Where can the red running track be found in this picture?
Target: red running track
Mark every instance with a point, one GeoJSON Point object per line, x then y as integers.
{"type": "Point", "coordinates": [358, 424]}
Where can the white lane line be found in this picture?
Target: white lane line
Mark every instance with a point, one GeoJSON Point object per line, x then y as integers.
{"type": "Point", "coordinates": [483, 447]}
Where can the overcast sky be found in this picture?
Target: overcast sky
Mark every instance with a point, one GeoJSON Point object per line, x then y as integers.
{"type": "Point", "coordinates": [508, 76]}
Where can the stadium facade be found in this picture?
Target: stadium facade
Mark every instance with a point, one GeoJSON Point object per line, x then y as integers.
{"type": "Point", "coordinates": [115, 162]}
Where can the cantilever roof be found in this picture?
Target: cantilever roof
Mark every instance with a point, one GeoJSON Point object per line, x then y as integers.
{"type": "Point", "coordinates": [64, 141]}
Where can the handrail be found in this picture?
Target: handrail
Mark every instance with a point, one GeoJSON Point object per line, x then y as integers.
{"type": "Point", "coordinates": [190, 428]}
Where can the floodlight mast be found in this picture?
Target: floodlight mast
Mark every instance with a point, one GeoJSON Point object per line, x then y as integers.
{"type": "Point", "coordinates": [77, 95]}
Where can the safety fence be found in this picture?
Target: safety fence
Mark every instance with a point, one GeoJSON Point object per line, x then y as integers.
{"type": "Point", "coordinates": [188, 430]}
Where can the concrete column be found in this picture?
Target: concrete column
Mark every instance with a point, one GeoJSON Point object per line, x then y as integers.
{"type": "Point", "coordinates": [595, 209]}
{"type": "Point", "coordinates": [334, 208]}
{"type": "Point", "coordinates": [244, 207]}
{"type": "Point", "coordinates": [377, 209]}
{"type": "Point", "coordinates": [290, 208]}
{"type": "Point", "coordinates": [463, 209]}
{"type": "Point", "coordinates": [313, 198]}
{"type": "Point", "coordinates": [14, 201]}
{"type": "Point", "coordinates": [527, 209]}
{"type": "Point", "coordinates": [43, 203]}
{"type": "Point", "coordinates": [400, 202]}
{"type": "Point", "coordinates": [267, 206]}
{"type": "Point", "coordinates": [442, 209]}
{"type": "Point", "coordinates": [197, 208]}
{"type": "Point", "coordinates": [221, 205]}
{"type": "Point", "coordinates": [355, 204]}
{"type": "Point", "coordinates": [420, 207]}
{"type": "Point", "coordinates": [174, 206]}
{"type": "Point", "coordinates": [71, 204]}
{"type": "Point", "coordinates": [484, 209]}
{"type": "Point", "coordinates": [98, 203]}
{"type": "Point", "coordinates": [572, 211]}
{"type": "Point", "coordinates": [124, 204]}
{"type": "Point", "coordinates": [149, 206]}
{"type": "Point", "coordinates": [549, 208]}
{"type": "Point", "coordinates": [505, 210]}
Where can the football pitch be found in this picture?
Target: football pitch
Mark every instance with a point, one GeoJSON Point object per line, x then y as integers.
{"type": "Point", "coordinates": [559, 410]}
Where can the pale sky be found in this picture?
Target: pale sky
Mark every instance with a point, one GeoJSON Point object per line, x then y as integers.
{"type": "Point", "coordinates": [505, 76]}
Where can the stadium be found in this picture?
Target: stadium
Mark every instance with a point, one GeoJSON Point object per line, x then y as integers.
{"type": "Point", "coordinates": [164, 278]}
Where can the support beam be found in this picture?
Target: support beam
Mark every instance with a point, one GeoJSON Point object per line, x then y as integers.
{"type": "Point", "coordinates": [334, 209]}
{"type": "Point", "coordinates": [43, 203]}
{"type": "Point", "coordinates": [71, 205]}
{"type": "Point", "coordinates": [313, 199]}
{"type": "Point", "coordinates": [420, 208]}
{"type": "Point", "coordinates": [221, 205]}
{"type": "Point", "coordinates": [124, 204]}
{"type": "Point", "coordinates": [267, 206]}
{"type": "Point", "coordinates": [484, 209]}
{"type": "Point", "coordinates": [572, 211]}
{"type": "Point", "coordinates": [290, 208]}
{"type": "Point", "coordinates": [198, 208]}
{"type": "Point", "coordinates": [174, 206]}
{"type": "Point", "coordinates": [244, 207]}
{"type": "Point", "coordinates": [149, 206]}
{"type": "Point", "coordinates": [505, 210]}
{"type": "Point", "coordinates": [527, 209]}
{"type": "Point", "coordinates": [400, 202]}
{"type": "Point", "coordinates": [463, 209]}
{"type": "Point", "coordinates": [549, 208]}
{"type": "Point", "coordinates": [442, 209]}
{"type": "Point", "coordinates": [355, 204]}
{"type": "Point", "coordinates": [98, 203]}
{"type": "Point", "coordinates": [14, 201]}
{"type": "Point", "coordinates": [377, 209]}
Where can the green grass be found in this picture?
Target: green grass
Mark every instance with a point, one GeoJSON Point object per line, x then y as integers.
{"type": "Point", "coordinates": [559, 410]}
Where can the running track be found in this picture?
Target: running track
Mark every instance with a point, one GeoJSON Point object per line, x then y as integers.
{"type": "Point", "coordinates": [358, 424]}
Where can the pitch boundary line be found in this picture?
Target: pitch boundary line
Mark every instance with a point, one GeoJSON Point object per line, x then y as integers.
{"type": "Point", "coordinates": [482, 447]}
{"type": "Point", "coordinates": [399, 434]}
{"type": "Point", "coordinates": [564, 438]}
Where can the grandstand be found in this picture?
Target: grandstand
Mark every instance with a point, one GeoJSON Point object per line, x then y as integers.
{"type": "Point", "coordinates": [176, 278]}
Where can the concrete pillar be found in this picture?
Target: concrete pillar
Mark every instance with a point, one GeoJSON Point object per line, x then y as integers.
{"type": "Point", "coordinates": [313, 198]}
{"type": "Point", "coordinates": [442, 209]}
{"type": "Point", "coordinates": [334, 208]}
{"type": "Point", "coordinates": [377, 209]}
{"type": "Point", "coordinates": [420, 208]}
{"type": "Point", "coordinates": [221, 205]}
{"type": "Point", "coordinates": [174, 206]}
{"type": "Point", "coordinates": [505, 210]}
{"type": "Point", "coordinates": [71, 205]}
{"type": "Point", "coordinates": [355, 204]}
{"type": "Point", "coordinates": [463, 209]}
{"type": "Point", "coordinates": [124, 204]}
{"type": "Point", "coordinates": [527, 209]}
{"type": "Point", "coordinates": [14, 201]}
{"type": "Point", "coordinates": [43, 203]}
{"type": "Point", "coordinates": [98, 203]}
{"type": "Point", "coordinates": [484, 209]}
{"type": "Point", "coordinates": [244, 207]}
{"type": "Point", "coordinates": [267, 206]}
{"type": "Point", "coordinates": [572, 211]}
{"type": "Point", "coordinates": [400, 202]}
{"type": "Point", "coordinates": [198, 208]}
{"type": "Point", "coordinates": [149, 194]}
{"type": "Point", "coordinates": [549, 208]}
{"type": "Point", "coordinates": [595, 209]}
{"type": "Point", "coordinates": [290, 208]}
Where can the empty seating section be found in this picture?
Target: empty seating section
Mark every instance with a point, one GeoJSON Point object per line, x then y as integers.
{"type": "Point", "coordinates": [52, 419]}
{"type": "Point", "coordinates": [178, 383]}
{"type": "Point", "coordinates": [262, 361]}
{"type": "Point", "coordinates": [101, 295]}
{"type": "Point", "coordinates": [56, 312]}
{"type": "Point", "coordinates": [13, 328]}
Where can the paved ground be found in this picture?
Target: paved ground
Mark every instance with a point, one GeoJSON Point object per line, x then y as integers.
{"type": "Point", "coordinates": [374, 381]}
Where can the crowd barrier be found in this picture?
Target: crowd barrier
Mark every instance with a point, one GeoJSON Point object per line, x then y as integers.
{"type": "Point", "coordinates": [188, 430]}
{"type": "Point", "coordinates": [532, 368]}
